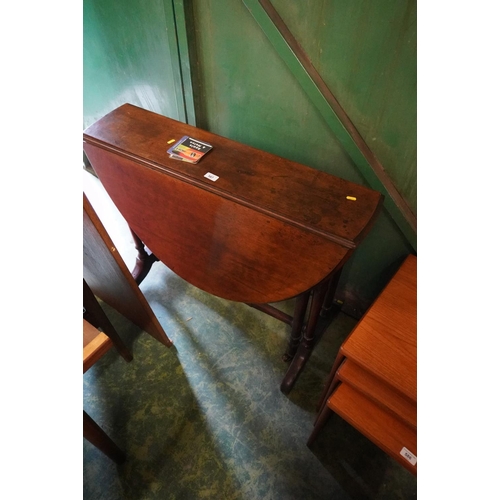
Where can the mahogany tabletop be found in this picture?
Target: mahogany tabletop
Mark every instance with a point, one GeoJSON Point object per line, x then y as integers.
{"type": "Point", "coordinates": [267, 229]}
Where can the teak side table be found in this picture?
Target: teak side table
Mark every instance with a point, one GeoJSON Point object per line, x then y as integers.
{"type": "Point", "coordinates": [373, 381]}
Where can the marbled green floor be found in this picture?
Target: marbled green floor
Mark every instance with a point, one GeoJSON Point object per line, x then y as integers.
{"type": "Point", "coordinates": [205, 419]}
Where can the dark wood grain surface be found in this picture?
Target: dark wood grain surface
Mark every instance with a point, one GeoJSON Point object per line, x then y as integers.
{"type": "Point", "coordinates": [267, 230]}
{"type": "Point", "coordinates": [220, 246]}
{"type": "Point", "coordinates": [284, 189]}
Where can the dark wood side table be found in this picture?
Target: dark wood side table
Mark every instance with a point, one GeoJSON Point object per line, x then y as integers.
{"type": "Point", "coordinates": [265, 230]}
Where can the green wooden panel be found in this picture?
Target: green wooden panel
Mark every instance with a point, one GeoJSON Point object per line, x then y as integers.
{"type": "Point", "coordinates": [183, 28]}
{"type": "Point", "coordinates": [298, 63]}
{"type": "Point", "coordinates": [365, 51]}
{"type": "Point", "coordinates": [246, 92]}
{"type": "Point", "coordinates": [249, 95]}
{"type": "Point", "coordinates": [127, 57]}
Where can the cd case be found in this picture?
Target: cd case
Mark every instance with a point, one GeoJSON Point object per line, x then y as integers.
{"type": "Point", "coordinates": [189, 150]}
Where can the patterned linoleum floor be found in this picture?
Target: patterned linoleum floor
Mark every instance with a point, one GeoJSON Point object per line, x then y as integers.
{"type": "Point", "coordinates": [205, 419]}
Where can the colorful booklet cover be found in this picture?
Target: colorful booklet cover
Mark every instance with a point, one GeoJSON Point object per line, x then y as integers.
{"type": "Point", "coordinates": [189, 149]}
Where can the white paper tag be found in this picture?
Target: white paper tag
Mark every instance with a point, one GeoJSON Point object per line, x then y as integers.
{"type": "Point", "coordinates": [211, 176]}
{"type": "Point", "coordinates": [405, 452]}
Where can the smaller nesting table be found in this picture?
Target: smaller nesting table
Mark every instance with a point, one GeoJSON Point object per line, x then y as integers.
{"type": "Point", "coordinates": [373, 381]}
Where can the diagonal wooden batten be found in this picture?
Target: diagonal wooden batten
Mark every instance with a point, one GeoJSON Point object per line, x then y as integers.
{"type": "Point", "coordinates": [337, 119]}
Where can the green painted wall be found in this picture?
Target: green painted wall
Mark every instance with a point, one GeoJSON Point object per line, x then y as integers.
{"type": "Point", "coordinates": [127, 57]}
{"type": "Point", "coordinates": [248, 94]}
{"type": "Point", "coordinates": [366, 52]}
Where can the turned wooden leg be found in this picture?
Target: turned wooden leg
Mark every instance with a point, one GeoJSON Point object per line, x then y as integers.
{"type": "Point", "coordinates": [322, 419]}
{"type": "Point", "coordinates": [143, 261]}
{"type": "Point", "coordinates": [306, 345]}
{"type": "Point", "coordinates": [330, 294]}
{"type": "Point", "coordinates": [97, 317]}
{"type": "Point", "coordinates": [297, 325]}
{"type": "Point", "coordinates": [95, 435]}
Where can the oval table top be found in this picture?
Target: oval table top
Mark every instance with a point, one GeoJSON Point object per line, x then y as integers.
{"type": "Point", "coordinates": [266, 230]}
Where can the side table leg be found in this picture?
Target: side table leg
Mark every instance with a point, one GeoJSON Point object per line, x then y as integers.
{"type": "Point", "coordinates": [143, 261]}
{"type": "Point", "coordinates": [330, 294]}
{"type": "Point", "coordinates": [330, 381]}
{"type": "Point", "coordinates": [322, 419]}
{"type": "Point", "coordinates": [297, 325]}
{"type": "Point", "coordinates": [95, 435]}
{"type": "Point", "coordinates": [306, 345]}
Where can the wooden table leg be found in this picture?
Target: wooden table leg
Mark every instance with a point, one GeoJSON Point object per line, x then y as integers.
{"type": "Point", "coordinates": [94, 434]}
{"type": "Point", "coordinates": [307, 343]}
{"type": "Point", "coordinates": [330, 294]}
{"type": "Point", "coordinates": [322, 419]}
{"type": "Point", "coordinates": [143, 261]}
{"type": "Point", "coordinates": [331, 382]}
{"type": "Point", "coordinates": [297, 325]}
